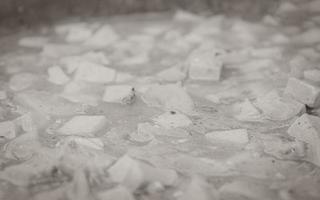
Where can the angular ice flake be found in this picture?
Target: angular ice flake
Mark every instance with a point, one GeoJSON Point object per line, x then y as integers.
{"type": "Point", "coordinates": [275, 107]}
{"type": "Point", "coordinates": [303, 91]}
{"type": "Point", "coordinates": [306, 129]}
{"type": "Point", "coordinates": [91, 72]}
{"type": "Point", "coordinates": [169, 97]}
{"type": "Point", "coordinates": [103, 37]}
{"type": "Point", "coordinates": [83, 125]}
{"type": "Point", "coordinates": [57, 75]}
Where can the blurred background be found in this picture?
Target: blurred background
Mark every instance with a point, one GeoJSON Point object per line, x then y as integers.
{"type": "Point", "coordinates": [29, 12]}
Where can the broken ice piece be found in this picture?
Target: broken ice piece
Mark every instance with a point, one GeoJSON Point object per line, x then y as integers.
{"type": "Point", "coordinates": [312, 75]}
{"type": "Point", "coordinates": [275, 107]}
{"type": "Point", "coordinates": [36, 41]}
{"type": "Point", "coordinates": [143, 134]}
{"type": "Point", "coordinates": [124, 94]}
{"type": "Point", "coordinates": [78, 34]}
{"type": "Point", "coordinates": [7, 130]}
{"type": "Point", "coordinates": [57, 76]}
{"type": "Point", "coordinates": [133, 173]}
{"type": "Point", "coordinates": [83, 125]}
{"type": "Point", "coordinates": [304, 92]}
{"type": "Point", "coordinates": [170, 97]}
{"type": "Point", "coordinates": [22, 81]}
{"type": "Point", "coordinates": [172, 74]}
{"type": "Point", "coordinates": [236, 136]}
{"type": "Point", "coordinates": [92, 72]}
{"type": "Point", "coordinates": [306, 129]}
{"type": "Point", "coordinates": [205, 65]}
{"type": "Point", "coordinates": [246, 111]}
{"type": "Point", "coordinates": [172, 119]}
{"type": "Point", "coordinates": [103, 37]}
{"type": "Point", "coordinates": [297, 65]}
{"type": "Point", "coordinates": [119, 192]}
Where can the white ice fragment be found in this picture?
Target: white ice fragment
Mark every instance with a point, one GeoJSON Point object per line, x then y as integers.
{"type": "Point", "coordinates": [133, 173]}
{"type": "Point", "coordinates": [92, 72]}
{"type": "Point", "coordinates": [119, 192]}
{"type": "Point", "coordinates": [103, 37]}
{"type": "Point", "coordinates": [33, 42]}
{"type": "Point", "coordinates": [172, 119]}
{"type": "Point", "coordinates": [303, 91]}
{"type": "Point", "coordinates": [124, 94]}
{"type": "Point", "coordinates": [127, 172]}
{"type": "Point", "coordinates": [297, 65]}
{"type": "Point", "coordinates": [169, 97]}
{"type": "Point", "coordinates": [22, 81]}
{"type": "Point", "coordinates": [7, 130]}
{"type": "Point", "coordinates": [83, 125]}
{"type": "Point", "coordinates": [236, 136]}
{"type": "Point", "coordinates": [275, 107]}
{"type": "Point", "coordinates": [57, 76]}
{"type": "Point", "coordinates": [62, 29]}
{"type": "Point", "coordinates": [246, 111]}
{"type": "Point", "coordinates": [172, 74]}
{"type": "Point", "coordinates": [78, 34]}
{"type": "Point", "coordinates": [307, 129]}
{"type": "Point", "coordinates": [138, 59]}
{"type": "Point", "coordinates": [205, 65]}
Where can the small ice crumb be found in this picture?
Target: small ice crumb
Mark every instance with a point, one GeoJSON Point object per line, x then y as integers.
{"type": "Point", "coordinates": [57, 76]}
{"type": "Point", "coordinates": [303, 91]}
{"type": "Point", "coordinates": [172, 119]}
{"type": "Point", "coordinates": [237, 136]}
{"type": "Point", "coordinates": [124, 94]}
